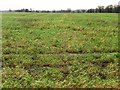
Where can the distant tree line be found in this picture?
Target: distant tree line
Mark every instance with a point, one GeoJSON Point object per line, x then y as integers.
{"type": "Point", "coordinates": [99, 9]}
{"type": "Point", "coordinates": [108, 9]}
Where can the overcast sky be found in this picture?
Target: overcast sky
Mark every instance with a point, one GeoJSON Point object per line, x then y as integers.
{"type": "Point", "coordinates": [54, 4]}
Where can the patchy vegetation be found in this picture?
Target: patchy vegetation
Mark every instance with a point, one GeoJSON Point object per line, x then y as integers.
{"type": "Point", "coordinates": [60, 50]}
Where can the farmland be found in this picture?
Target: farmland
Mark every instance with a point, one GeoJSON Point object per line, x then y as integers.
{"type": "Point", "coordinates": [60, 50]}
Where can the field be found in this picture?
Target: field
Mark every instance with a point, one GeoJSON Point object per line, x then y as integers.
{"type": "Point", "coordinates": [60, 50]}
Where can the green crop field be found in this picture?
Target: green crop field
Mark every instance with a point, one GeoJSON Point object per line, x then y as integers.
{"type": "Point", "coordinates": [60, 50]}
